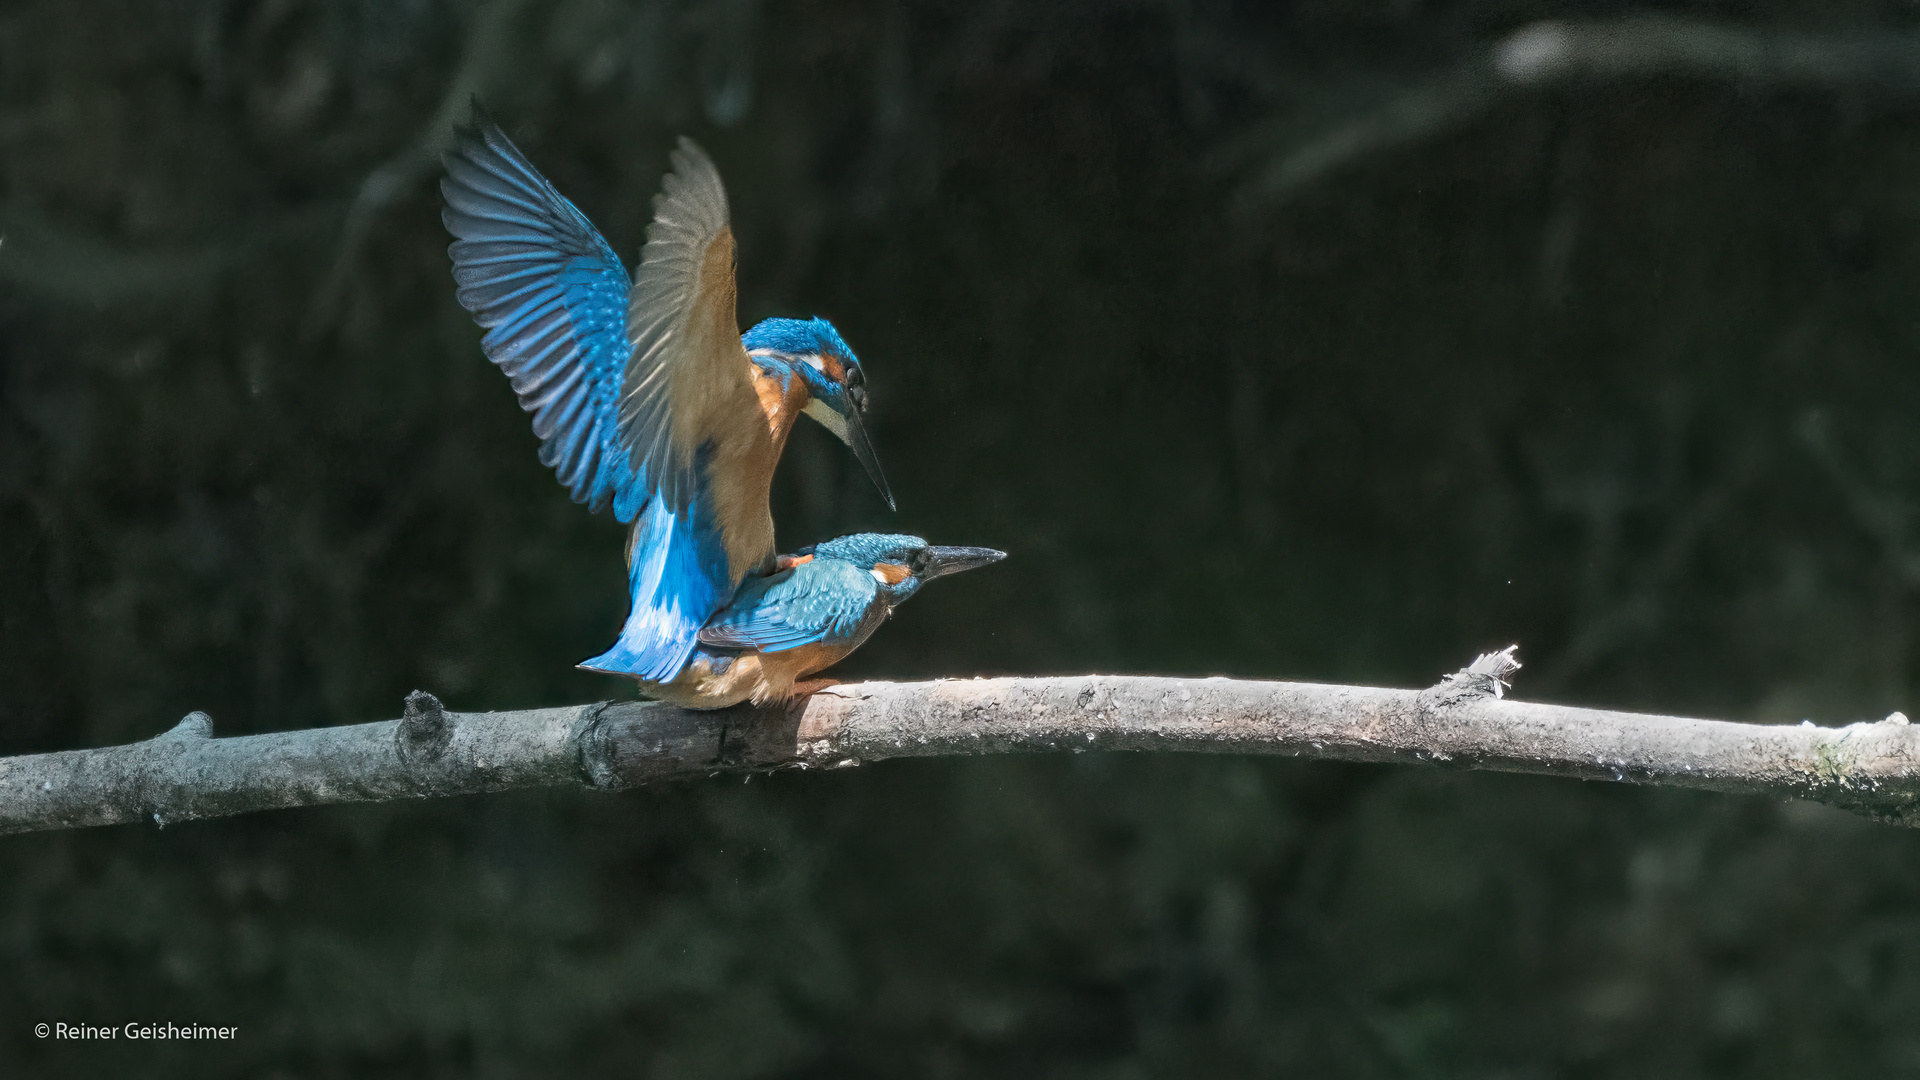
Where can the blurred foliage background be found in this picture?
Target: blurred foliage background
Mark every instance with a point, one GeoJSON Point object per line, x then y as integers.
{"type": "Point", "coordinates": [1327, 341]}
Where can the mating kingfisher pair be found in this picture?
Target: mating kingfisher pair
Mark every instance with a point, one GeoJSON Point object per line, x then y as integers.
{"type": "Point", "coordinates": [649, 400]}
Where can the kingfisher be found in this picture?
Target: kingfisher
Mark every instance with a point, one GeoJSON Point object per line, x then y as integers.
{"type": "Point", "coordinates": [819, 604]}
{"type": "Point", "coordinates": [644, 393]}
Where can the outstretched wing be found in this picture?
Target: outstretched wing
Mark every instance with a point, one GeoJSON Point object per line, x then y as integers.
{"type": "Point", "coordinates": [552, 297]}
{"type": "Point", "coordinates": [687, 383]}
{"type": "Point", "coordinates": [640, 389]}
{"type": "Point", "coordinates": [824, 600]}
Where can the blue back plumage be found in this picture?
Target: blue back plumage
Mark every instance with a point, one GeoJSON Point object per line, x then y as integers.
{"type": "Point", "coordinates": [834, 597]}
{"type": "Point", "coordinates": [670, 577]}
{"type": "Point", "coordinates": [827, 599]}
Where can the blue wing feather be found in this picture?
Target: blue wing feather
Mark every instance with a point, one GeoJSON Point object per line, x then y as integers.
{"type": "Point", "coordinates": [553, 298]}
{"type": "Point", "coordinates": [824, 600]}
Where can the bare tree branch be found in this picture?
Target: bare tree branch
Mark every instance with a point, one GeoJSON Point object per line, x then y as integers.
{"type": "Point", "coordinates": [1868, 768]}
{"type": "Point", "coordinates": [1642, 45]}
{"type": "Point", "coordinates": [1362, 118]}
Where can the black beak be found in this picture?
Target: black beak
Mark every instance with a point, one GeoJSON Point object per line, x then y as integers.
{"type": "Point", "coordinates": [942, 561]}
{"type": "Point", "coordinates": [863, 449]}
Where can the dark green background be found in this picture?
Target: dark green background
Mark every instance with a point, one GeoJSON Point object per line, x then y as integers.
{"type": "Point", "coordinates": [1622, 368]}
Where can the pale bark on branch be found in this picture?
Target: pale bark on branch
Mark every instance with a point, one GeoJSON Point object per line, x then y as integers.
{"type": "Point", "coordinates": [1869, 768]}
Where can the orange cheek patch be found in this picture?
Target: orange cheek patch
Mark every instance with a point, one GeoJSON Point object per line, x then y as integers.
{"type": "Point", "coordinates": [894, 573]}
{"type": "Point", "coordinates": [832, 368]}
{"type": "Point", "coordinates": [788, 562]}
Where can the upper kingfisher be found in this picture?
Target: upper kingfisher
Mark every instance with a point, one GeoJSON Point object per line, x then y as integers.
{"type": "Point", "coordinates": [646, 395]}
{"type": "Point", "coordinates": [819, 604]}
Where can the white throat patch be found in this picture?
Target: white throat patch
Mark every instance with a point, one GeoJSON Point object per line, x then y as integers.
{"type": "Point", "coordinates": [829, 419]}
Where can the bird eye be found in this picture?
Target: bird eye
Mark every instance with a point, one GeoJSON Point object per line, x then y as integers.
{"type": "Point", "coordinates": [919, 562]}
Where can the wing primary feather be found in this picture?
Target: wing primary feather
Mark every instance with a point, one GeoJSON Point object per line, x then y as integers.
{"type": "Point", "coordinates": [552, 297]}
{"type": "Point", "coordinates": [687, 373]}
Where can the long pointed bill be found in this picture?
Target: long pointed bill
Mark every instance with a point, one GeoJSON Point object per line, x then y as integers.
{"type": "Point", "coordinates": [856, 437]}
{"type": "Point", "coordinates": [850, 429]}
{"type": "Point", "coordinates": [942, 561]}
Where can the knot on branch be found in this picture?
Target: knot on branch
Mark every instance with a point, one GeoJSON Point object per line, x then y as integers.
{"type": "Point", "coordinates": [425, 729]}
{"type": "Point", "coordinates": [194, 725]}
{"type": "Point", "coordinates": [1485, 678]}
{"type": "Point", "coordinates": [597, 766]}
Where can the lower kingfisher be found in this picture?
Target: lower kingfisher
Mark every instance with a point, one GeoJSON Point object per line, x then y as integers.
{"type": "Point", "coordinates": [818, 605]}
{"type": "Point", "coordinates": [646, 396]}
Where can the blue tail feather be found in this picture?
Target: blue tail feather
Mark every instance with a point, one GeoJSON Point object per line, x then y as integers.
{"type": "Point", "coordinates": [674, 588]}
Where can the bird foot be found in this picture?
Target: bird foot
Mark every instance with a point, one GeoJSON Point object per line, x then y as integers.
{"type": "Point", "coordinates": [812, 686]}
